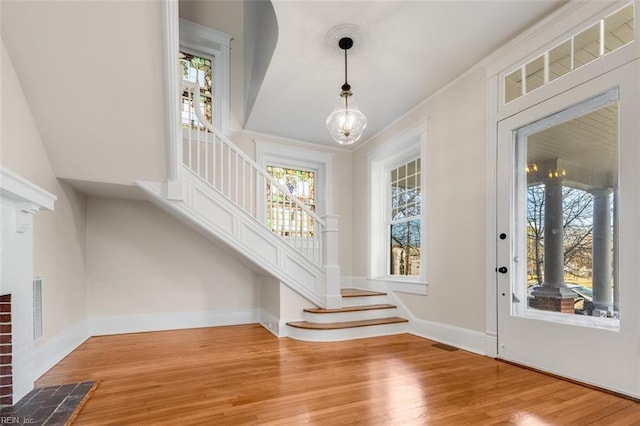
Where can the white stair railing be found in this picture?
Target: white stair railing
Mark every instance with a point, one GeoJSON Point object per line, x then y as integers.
{"type": "Point", "coordinates": [231, 172]}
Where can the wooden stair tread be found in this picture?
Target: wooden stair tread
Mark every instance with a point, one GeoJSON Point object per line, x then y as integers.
{"type": "Point", "coordinates": [349, 309]}
{"type": "Point", "coordinates": [356, 292]}
{"type": "Point", "coordinates": [347, 324]}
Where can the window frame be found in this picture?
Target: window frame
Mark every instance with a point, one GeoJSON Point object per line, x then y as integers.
{"type": "Point", "coordinates": [296, 157]}
{"type": "Point", "coordinates": [409, 145]}
{"type": "Point", "coordinates": [214, 105]}
{"type": "Point", "coordinates": [215, 45]}
{"type": "Point", "coordinates": [389, 209]}
{"type": "Point", "coordinates": [315, 233]}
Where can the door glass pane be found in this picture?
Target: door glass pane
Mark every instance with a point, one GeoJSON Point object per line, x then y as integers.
{"type": "Point", "coordinates": [568, 228]}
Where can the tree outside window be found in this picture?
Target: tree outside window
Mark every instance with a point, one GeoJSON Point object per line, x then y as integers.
{"type": "Point", "coordinates": [404, 225]}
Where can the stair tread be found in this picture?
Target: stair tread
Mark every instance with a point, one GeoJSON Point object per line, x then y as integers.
{"type": "Point", "coordinates": [346, 324]}
{"type": "Point", "coordinates": [356, 292]}
{"type": "Point", "coordinates": [350, 309]}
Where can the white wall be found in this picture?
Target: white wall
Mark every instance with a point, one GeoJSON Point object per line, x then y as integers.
{"type": "Point", "coordinates": [59, 237]}
{"type": "Point", "coordinates": [455, 167]}
{"type": "Point", "coordinates": [141, 261]}
{"type": "Point", "coordinates": [260, 38]}
{"type": "Point", "coordinates": [92, 72]}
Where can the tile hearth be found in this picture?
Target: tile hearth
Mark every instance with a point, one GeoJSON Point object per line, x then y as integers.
{"type": "Point", "coordinates": [50, 406]}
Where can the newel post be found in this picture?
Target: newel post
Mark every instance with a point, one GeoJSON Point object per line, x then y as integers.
{"type": "Point", "coordinates": [331, 258]}
{"type": "Point", "coordinates": [172, 77]}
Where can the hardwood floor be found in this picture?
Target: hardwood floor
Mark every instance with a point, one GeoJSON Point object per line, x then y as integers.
{"type": "Point", "coordinates": [244, 375]}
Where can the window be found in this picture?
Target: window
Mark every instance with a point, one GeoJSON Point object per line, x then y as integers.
{"type": "Point", "coordinates": [315, 168]}
{"type": "Point", "coordinates": [396, 240]}
{"type": "Point", "coordinates": [603, 37]}
{"type": "Point", "coordinates": [199, 70]}
{"type": "Point", "coordinates": [405, 202]}
{"type": "Point", "coordinates": [569, 195]}
{"type": "Point", "coordinates": [204, 58]}
{"type": "Point", "coordinates": [287, 219]}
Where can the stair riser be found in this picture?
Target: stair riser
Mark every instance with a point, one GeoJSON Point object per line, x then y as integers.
{"type": "Point", "coordinates": [350, 316]}
{"type": "Point", "coordinates": [345, 333]}
{"type": "Point", "coordinates": [364, 300]}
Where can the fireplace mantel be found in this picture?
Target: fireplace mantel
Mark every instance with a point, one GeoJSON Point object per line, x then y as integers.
{"type": "Point", "coordinates": [27, 197]}
{"type": "Point", "coordinates": [19, 201]}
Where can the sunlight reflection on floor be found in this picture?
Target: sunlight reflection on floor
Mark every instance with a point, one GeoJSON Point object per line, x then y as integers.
{"type": "Point", "coordinates": [528, 419]}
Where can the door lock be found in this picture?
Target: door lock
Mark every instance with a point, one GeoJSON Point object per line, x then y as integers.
{"type": "Point", "coordinates": [503, 269]}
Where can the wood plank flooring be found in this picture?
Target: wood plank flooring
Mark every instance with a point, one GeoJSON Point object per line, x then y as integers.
{"type": "Point", "coordinates": [244, 375]}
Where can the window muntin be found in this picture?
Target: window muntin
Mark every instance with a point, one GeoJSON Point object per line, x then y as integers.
{"type": "Point", "coordinates": [287, 219]}
{"type": "Point", "coordinates": [601, 38]}
{"type": "Point", "coordinates": [404, 224]}
{"type": "Point", "coordinates": [197, 69]}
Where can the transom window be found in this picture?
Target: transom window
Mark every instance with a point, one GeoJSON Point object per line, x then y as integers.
{"type": "Point", "coordinates": [405, 205]}
{"type": "Point", "coordinates": [603, 37]}
{"type": "Point", "coordinates": [199, 70]}
{"type": "Point", "coordinates": [287, 219]}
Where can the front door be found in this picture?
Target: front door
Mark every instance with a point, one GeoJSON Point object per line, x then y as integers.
{"type": "Point", "coordinates": [569, 233]}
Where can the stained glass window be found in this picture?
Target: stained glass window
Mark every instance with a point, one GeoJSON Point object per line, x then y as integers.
{"type": "Point", "coordinates": [285, 218]}
{"type": "Point", "coordinates": [199, 70]}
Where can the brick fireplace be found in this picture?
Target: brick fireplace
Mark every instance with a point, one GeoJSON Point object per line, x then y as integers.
{"type": "Point", "coordinates": [6, 368]}
{"type": "Point", "coordinates": [19, 201]}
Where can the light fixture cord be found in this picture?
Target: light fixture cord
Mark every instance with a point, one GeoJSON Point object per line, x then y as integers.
{"type": "Point", "coordinates": [346, 83]}
{"type": "Point", "coordinates": [345, 66]}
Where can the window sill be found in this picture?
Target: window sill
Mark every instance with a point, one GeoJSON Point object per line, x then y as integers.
{"type": "Point", "coordinates": [403, 285]}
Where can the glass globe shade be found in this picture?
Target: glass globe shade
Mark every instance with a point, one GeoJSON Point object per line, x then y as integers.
{"type": "Point", "coordinates": [346, 123]}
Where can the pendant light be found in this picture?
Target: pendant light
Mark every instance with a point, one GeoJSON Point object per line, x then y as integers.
{"type": "Point", "coordinates": [346, 123]}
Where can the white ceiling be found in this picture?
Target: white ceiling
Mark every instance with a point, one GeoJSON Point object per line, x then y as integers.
{"type": "Point", "coordinates": [409, 49]}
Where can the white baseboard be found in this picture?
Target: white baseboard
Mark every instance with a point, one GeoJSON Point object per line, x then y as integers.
{"type": "Point", "coordinates": [121, 324]}
{"type": "Point", "coordinates": [59, 346]}
{"type": "Point", "coordinates": [271, 323]}
{"type": "Point", "coordinates": [491, 344]}
{"type": "Point", "coordinates": [362, 283]}
{"type": "Point", "coordinates": [384, 285]}
{"type": "Point", "coordinates": [469, 340]}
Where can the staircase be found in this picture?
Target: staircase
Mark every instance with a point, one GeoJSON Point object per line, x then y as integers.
{"type": "Point", "coordinates": [363, 314]}
{"type": "Point", "coordinates": [225, 195]}
{"type": "Point", "coordinates": [222, 192]}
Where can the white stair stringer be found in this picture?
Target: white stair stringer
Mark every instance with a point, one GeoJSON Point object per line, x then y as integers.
{"type": "Point", "coordinates": [215, 216]}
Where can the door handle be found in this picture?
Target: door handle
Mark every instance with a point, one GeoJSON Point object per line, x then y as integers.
{"type": "Point", "coordinates": [503, 269]}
